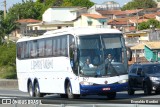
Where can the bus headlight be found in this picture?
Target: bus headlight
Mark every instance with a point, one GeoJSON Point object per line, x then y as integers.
{"type": "Point", "coordinates": [123, 81]}
{"type": "Point", "coordinates": [86, 83]}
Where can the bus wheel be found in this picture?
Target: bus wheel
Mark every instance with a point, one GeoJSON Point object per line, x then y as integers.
{"type": "Point", "coordinates": [111, 95]}
{"type": "Point", "coordinates": [37, 91]}
{"type": "Point", "coordinates": [69, 91]}
{"type": "Point", "coordinates": [30, 90]}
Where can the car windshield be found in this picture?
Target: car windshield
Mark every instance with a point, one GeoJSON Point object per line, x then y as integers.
{"type": "Point", "coordinates": [101, 55]}
{"type": "Point", "coordinates": [152, 69]}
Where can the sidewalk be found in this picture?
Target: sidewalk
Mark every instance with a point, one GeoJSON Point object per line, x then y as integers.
{"type": "Point", "coordinates": [8, 84]}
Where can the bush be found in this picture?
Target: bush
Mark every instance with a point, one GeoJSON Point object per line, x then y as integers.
{"type": "Point", "coordinates": [8, 61]}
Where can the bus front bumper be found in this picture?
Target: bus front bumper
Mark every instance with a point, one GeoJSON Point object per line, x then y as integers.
{"type": "Point", "coordinates": [102, 89]}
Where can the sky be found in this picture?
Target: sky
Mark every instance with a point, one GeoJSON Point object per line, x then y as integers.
{"type": "Point", "coordinates": [11, 2]}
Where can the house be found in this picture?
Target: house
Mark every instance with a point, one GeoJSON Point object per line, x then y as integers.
{"type": "Point", "coordinates": [63, 13]}
{"type": "Point", "coordinates": [110, 5]}
{"type": "Point", "coordinates": [23, 29]}
{"type": "Point", "coordinates": [57, 18]}
{"type": "Point", "coordinates": [152, 51]}
{"type": "Point", "coordinates": [93, 20]}
{"type": "Point", "coordinates": [148, 51]}
{"type": "Point", "coordinates": [138, 50]}
{"type": "Point", "coordinates": [122, 24]}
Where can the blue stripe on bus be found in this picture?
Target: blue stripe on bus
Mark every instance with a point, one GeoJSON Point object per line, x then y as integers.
{"type": "Point", "coordinates": [102, 89]}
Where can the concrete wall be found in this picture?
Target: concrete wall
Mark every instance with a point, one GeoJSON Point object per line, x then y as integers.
{"type": "Point", "coordinates": [8, 84]}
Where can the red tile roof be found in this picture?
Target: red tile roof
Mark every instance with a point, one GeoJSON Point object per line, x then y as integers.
{"type": "Point", "coordinates": [28, 21]}
{"type": "Point", "coordinates": [138, 20]}
{"type": "Point", "coordinates": [118, 12]}
{"type": "Point", "coordinates": [150, 16]}
{"type": "Point", "coordinates": [132, 11]}
{"type": "Point", "coordinates": [108, 12]}
{"type": "Point", "coordinates": [95, 16]}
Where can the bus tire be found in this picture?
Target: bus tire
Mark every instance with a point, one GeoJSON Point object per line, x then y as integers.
{"type": "Point", "coordinates": [70, 93]}
{"type": "Point", "coordinates": [31, 90]}
{"type": "Point", "coordinates": [37, 90]}
{"type": "Point", "coordinates": [111, 95]}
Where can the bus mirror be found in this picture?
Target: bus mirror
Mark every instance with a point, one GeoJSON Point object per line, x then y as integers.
{"type": "Point", "coordinates": [129, 54]}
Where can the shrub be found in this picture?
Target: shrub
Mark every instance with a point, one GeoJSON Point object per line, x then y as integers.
{"type": "Point", "coordinates": [8, 61]}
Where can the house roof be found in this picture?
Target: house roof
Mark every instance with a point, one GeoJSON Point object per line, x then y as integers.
{"type": "Point", "coordinates": [132, 11]}
{"type": "Point", "coordinates": [150, 16]}
{"type": "Point", "coordinates": [95, 16]}
{"type": "Point", "coordinates": [138, 47]}
{"type": "Point", "coordinates": [153, 45]}
{"type": "Point", "coordinates": [28, 21]}
{"type": "Point", "coordinates": [118, 12]}
{"type": "Point", "coordinates": [108, 12]}
{"type": "Point", "coordinates": [138, 20]}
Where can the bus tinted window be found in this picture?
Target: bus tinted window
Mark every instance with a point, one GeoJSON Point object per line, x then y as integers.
{"type": "Point", "coordinates": [54, 47]}
{"type": "Point", "coordinates": [22, 50]}
{"type": "Point", "coordinates": [64, 46]}
{"type": "Point", "coordinates": [58, 46]}
{"type": "Point", "coordinates": [48, 49]}
{"type": "Point", "coordinates": [26, 50]}
{"type": "Point", "coordinates": [41, 48]}
{"type": "Point", "coordinates": [33, 47]}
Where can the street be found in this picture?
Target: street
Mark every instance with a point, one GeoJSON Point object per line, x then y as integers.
{"type": "Point", "coordinates": [122, 98]}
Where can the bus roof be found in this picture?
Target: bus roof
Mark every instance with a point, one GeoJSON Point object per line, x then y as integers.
{"type": "Point", "coordinates": [76, 31]}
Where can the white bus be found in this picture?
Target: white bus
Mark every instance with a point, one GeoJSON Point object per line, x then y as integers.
{"type": "Point", "coordinates": [54, 63]}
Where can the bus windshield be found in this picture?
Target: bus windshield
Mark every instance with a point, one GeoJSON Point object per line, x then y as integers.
{"type": "Point", "coordinates": [101, 55]}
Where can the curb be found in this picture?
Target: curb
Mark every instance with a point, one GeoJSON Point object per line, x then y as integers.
{"type": "Point", "coordinates": [8, 84]}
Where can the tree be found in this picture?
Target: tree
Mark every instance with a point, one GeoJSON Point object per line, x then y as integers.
{"type": "Point", "coordinates": [23, 10]}
{"type": "Point", "coordinates": [82, 3]}
{"type": "Point", "coordinates": [150, 22]}
{"type": "Point", "coordinates": [137, 4]}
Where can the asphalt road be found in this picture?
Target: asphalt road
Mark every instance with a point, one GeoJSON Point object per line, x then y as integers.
{"type": "Point", "coordinates": [88, 101]}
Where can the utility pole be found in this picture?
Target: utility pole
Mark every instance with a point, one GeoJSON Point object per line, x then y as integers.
{"type": "Point", "coordinates": [5, 5]}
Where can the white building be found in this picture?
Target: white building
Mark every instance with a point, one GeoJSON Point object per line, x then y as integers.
{"type": "Point", "coordinates": [58, 17]}
{"type": "Point", "coordinates": [63, 13]}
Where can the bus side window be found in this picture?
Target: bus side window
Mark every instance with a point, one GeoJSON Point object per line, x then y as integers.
{"type": "Point", "coordinates": [41, 47]}
{"type": "Point", "coordinates": [22, 50]}
{"type": "Point", "coordinates": [58, 43]}
{"type": "Point", "coordinates": [64, 46]}
{"type": "Point", "coordinates": [48, 49]}
{"type": "Point", "coordinates": [33, 49]}
{"type": "Point", "coordinates": [54, 46]}
{"type": "Point", "coordinates": [19, 49]}
{"type": "Point", "coordinates": [26, 51]}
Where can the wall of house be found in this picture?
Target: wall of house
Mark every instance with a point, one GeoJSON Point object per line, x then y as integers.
{"type": "Point", "coordinates": [152, 54]}
{"type": "Point", "coordinates": [148, 53]}
{"type": "Point", "coordinates": [83, 22]}
{"type": "Point", "coordinates": [62, 14]}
